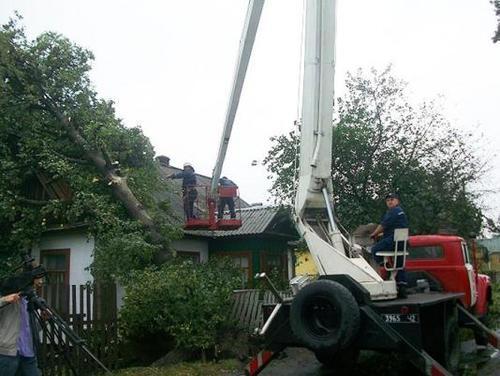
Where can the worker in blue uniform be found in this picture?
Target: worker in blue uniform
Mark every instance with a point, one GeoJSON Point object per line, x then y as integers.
{"type": "Point", "coordinates": [394, 218]}
{"type": "Point", "coordinates": [189, 192]}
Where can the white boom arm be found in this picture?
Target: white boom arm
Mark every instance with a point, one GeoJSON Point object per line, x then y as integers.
{"type": "Point", "coordinates": [246, 44]}
{"type": "Point", "coordinates": [314, 212]}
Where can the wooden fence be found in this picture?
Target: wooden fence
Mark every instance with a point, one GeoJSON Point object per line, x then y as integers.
{"type": "Point", "coordinates": [247, 307]}
{"type": "Point", "coordinates": [90, 314]}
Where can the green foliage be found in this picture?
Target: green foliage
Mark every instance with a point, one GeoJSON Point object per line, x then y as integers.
{"type": "Point", "coordinates": [382, 143]}
{"type": "Point", "coordinates": [496, 4]}
{"type": "Point", "coordinates": [282, 162]}
{"type": "Point", "coordinates": [187, 301]}
{"type": "Point", "coordinates": [34, 143]}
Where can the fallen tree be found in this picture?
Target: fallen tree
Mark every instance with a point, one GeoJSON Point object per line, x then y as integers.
{"type": "Point", "coordinates": [54, 125]}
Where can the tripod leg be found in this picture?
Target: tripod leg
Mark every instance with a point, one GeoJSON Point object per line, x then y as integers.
{"type": "Point", "coordinates": [73, 337]}
{"type": "Point", "coordinates": [56, 338]}
{"type": "Point", "coordinates": [60, 330]}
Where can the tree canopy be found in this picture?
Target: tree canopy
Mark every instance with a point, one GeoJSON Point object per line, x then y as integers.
{"type": "Point", "coordinates": [496, 4]}
{"type": "Point", "coordinates": [382, 143]}
{"type": "Point", "coordinates": [54, 128]}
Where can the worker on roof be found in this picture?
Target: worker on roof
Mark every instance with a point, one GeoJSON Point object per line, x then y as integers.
{"type": "Point", "coordinates": [224, 182]}
{"type": "Point", "coordinates": [189, 192]}
{"type": "Point", "coordinates": [393, 218]}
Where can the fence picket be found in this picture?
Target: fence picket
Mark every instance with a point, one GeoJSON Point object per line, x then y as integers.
{"type": "Point", "coordinates": [253, 298]}
{"type": "Point", "coordinates": [247, 307]}
{"type": "Point", "coordinates": [91, 312]}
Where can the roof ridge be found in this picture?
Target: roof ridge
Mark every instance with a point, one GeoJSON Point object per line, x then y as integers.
{"type": "Point", "coordinates": [260, 207]}
{"type": "Point", "coordinates": [181, 169]}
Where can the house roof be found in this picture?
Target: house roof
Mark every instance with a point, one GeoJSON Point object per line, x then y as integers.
{"type": "Point", "coordinates": [257, 220]}
{"type": "Point", "coordinates": [174, 196]}
{"type": "Point", "coordinates": [492, 244]}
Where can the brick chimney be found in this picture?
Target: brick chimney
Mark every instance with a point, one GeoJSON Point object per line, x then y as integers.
{"type": "Point", "coordinates": [163, 160]}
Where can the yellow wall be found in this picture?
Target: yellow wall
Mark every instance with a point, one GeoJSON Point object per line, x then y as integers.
{"type": "Point", "coordinates": [304, 264]}
{"type": "Point", "coordinates": [494, 263]}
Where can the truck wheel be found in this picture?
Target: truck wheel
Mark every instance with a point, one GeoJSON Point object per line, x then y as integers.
{"type": "Point", "coordinates": [324, 316]}
{"type": "Point", "coordinates": [341, 362]}
{"type": "Point", "coordinates": [451, 356]}
{"type": "Point", "coordinates": [480, 336]}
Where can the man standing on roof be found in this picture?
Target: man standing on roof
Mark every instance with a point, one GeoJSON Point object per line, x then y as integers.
{"type": "Point", "coordinates": [189, 192]}
{"type": "Point", "coordinates": [224, 182]}
{"type": "Point", "coordinates": [394, 218]}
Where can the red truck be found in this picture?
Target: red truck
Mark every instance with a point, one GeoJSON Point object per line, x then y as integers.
{"type": "Point", "coordinates": [446, 264]}
{"type": "Point", "coordinates": [445, 292]}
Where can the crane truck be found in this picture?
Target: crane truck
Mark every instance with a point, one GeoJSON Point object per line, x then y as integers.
{"type": "Point", "coordinates": [350, 306]}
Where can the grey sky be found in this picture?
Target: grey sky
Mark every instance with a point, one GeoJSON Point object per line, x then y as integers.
{"type": "Point", "coordinates": [168, 65]}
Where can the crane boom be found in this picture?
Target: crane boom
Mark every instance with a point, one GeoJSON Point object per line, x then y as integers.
{"type": "Point", "coordinates": [314, 211]}
{"type": "Point", "coordinates": [246, 44]}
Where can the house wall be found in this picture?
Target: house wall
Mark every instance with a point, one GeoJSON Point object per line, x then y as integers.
{"type": "Point", "coordinates": [257, 248]}
{"type": "Point", "coordinates": [304, 264]}
{"type": "Point", "coordinates": [494, 261]}
{"type": "Point", "coordinates": [192, 245]}
{"type": "Point", "coordinates": [493, 246]}
{"type": "Point", "coordinates": [81, 247]}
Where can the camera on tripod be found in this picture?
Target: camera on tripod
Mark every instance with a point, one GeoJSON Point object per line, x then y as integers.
{"type": "Point", "coordinates": [22, 282]}
{"type": "Point", "coordinates": [55, 330]}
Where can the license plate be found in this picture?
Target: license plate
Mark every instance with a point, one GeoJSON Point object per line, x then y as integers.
{"type": "Point", "coordinates": [396, 318]}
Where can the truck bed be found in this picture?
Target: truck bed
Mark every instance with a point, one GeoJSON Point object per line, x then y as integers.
{"type": "Point", "coordinates": [422, 299]}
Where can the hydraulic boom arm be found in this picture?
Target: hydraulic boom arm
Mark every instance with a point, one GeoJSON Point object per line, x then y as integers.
{"type": "Point", "coordinates": [314, 208]}
{"type": "Point", "coordinates": [246, 44]}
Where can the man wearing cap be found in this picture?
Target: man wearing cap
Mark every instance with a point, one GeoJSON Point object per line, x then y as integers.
{"type": "Point", "coordinates": [394, 218]}
{"type": "Point", "coordinates": [189, 192]}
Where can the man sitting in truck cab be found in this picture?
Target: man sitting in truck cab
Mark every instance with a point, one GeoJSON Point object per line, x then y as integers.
{"type": "Point", "coordinates": [394, 218]}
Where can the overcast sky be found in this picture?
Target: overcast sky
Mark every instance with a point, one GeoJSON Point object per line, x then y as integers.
{"type": "Point", "coordinates": [168, 65]}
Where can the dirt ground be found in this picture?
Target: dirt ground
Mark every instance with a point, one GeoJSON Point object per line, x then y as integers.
{"type": "Point", "coordinates": [302, 362]}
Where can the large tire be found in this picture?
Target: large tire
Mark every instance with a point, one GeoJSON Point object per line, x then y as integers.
{"type": "Point", "coordinates": [450, 355]}
{"type": "Point", "coordinates": [340, 363]}
{"type": "Point", "coordinates": [480, 336]}
{"type": "Point", "coordinates": [324, 316]}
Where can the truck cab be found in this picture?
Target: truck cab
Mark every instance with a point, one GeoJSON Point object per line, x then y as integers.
{"type": "Point", "coordinates": [446, 263]}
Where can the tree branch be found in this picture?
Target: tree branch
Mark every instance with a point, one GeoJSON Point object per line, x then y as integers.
{"type": "Point", "coordinates": [32, 202]}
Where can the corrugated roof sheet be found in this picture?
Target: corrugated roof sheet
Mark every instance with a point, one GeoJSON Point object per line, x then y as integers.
{"type": "Point", "coordinates": [174, 196]}
{"type": "Point", "coordinates": [255, 220]}
{"type": "Point", "coordinates": [492, 244]}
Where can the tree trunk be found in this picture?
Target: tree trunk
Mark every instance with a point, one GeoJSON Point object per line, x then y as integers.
{"type": "Point", "coordinates": [118, 184]}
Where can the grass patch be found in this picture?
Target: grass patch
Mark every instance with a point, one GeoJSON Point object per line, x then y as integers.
{"type": "Point", "coordinates": [223, 368]}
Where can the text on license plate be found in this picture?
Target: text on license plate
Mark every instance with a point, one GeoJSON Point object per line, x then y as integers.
{"type": "Point", "coordinates": [400, 318]}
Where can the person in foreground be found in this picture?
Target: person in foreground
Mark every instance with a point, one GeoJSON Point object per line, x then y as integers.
{"type": "Point", "coordinates": [17, 351]}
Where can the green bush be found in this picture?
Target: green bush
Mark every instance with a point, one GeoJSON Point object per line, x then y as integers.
{"type": "Point", "coordinates": [185, 301]}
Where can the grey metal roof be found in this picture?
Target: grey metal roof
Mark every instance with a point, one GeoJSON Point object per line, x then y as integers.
{"type": "Point", "coordinates": [174, 195]}
{"type": "Point", "coordinates": [492, 244]}
{"type": "Point", "coordinates": [255, 220]}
